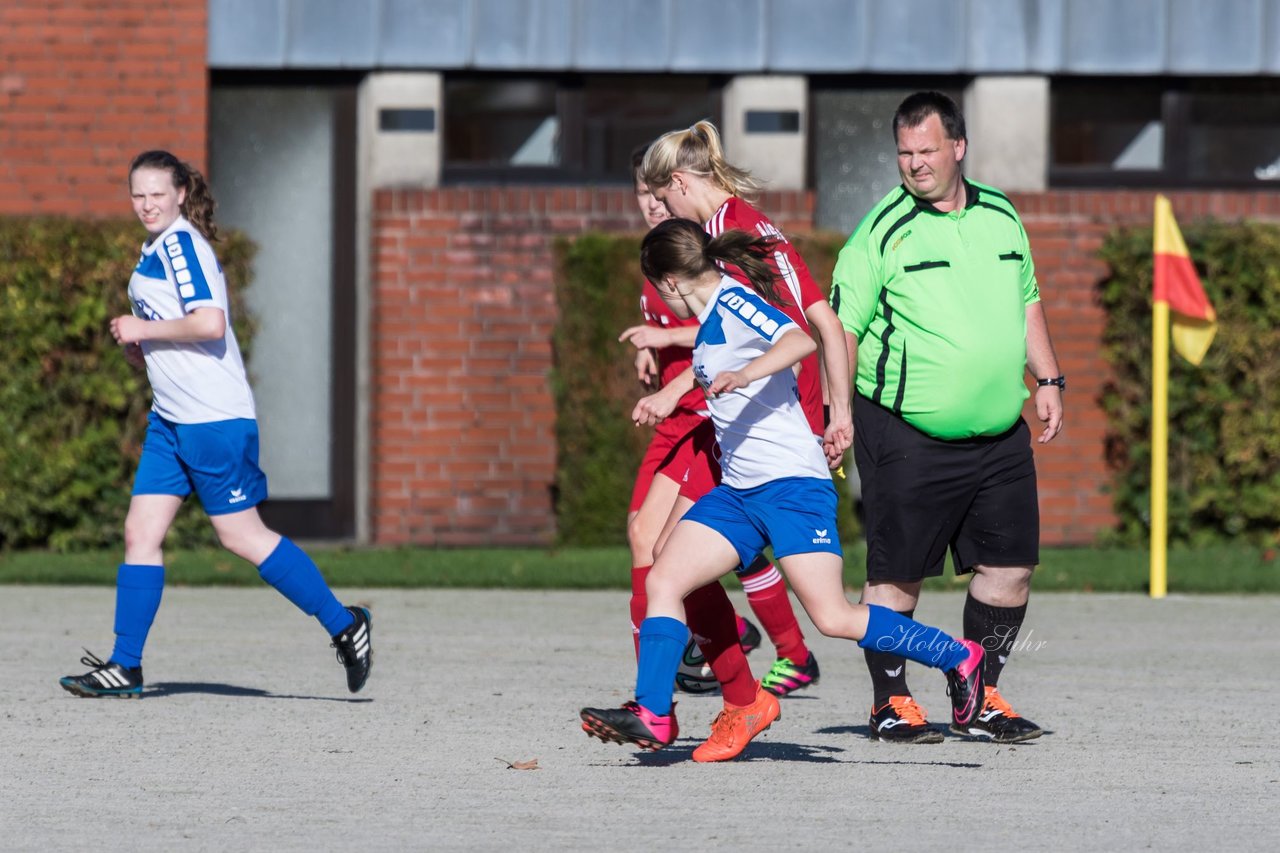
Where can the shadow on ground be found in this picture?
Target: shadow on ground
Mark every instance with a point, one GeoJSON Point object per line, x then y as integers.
{"type": "Point", "coordinates": [178, 688]}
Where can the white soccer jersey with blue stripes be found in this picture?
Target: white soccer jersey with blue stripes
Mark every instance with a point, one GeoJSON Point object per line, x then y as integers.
{"type": "Point", "coordinates": [761, 429]}
{"type": "Point", "coordinates": [200, 381]}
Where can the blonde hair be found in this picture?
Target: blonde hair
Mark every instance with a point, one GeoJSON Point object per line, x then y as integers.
{"type": "Point", "coordinates": [696, 150]}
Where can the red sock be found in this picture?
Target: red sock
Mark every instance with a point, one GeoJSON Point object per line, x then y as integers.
{"type": "Point", "coordinates": [639, 602]}
{"type": "Point", "coordinates": [767, 595]}
{"type": "Point", "coordinates": [715, 627]}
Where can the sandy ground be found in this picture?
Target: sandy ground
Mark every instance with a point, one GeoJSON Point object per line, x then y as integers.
{"type": "Point", "coordinates": [1161, 718]}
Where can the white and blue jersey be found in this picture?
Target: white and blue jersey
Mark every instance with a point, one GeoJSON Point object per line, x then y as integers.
{"type": "Point", "coordinates": [761, 429]}
{"type": "Point", "coordinates": [199, 381]}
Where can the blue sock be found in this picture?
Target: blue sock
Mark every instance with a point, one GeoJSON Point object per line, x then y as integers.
{"type": "Point", "coordinates": [138, 591]}
{"type": "Point", "coordinates": [291, 571]}
{"type": "Point", "coordinates": [662, 642]}
{"type": "Point", "coordinates": [894, 633]}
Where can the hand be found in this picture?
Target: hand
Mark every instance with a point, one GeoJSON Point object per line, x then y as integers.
{"type": "Point", "coordinates": [1049, 411]}
{"type": "Point", "coordinates": [646, 337]}
{"type": "Point", "coordinates": [127, 329]}
{"type": "Point", "coordinates": [652, 409]}
{"type": "Point", "coordinates": [730, 380]}
{"type": "Point", "coordinates": [646, 367]}
{"type": "Point", "coordinates": [133, 355]}
{"type": "Point", "coordinates": [836, 440]}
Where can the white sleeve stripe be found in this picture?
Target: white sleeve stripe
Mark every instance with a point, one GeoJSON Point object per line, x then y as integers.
{"type": "Point", "coordinates": [715, 225]}
{"type": "Point", "coordinates": [789, 276]}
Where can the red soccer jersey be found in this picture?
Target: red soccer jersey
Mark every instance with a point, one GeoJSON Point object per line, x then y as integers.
{"type": "Point", "coordinates": [672, 361]}
{"type": "Point", "coordinates": [800, 287]}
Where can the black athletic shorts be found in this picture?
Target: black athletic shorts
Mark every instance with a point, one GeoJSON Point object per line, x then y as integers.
{"type": "Point", "coordinates": [923, 496]}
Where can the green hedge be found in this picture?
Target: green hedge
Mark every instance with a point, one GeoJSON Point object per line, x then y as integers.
{"type": "Point", "coordinates": [1224, 416]}
{"type": "Point", "coordinates": [597, 290]}
{"type": "Point", "coordinates": [72, 411]}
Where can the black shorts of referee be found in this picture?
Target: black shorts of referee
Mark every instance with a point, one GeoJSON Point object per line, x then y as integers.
{"type": "Point", "coordinates": [924, 496]}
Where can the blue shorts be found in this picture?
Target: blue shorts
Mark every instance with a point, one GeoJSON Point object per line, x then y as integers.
{"type": "Point", "coordinates": [796, 515]}
{"type": "Point", "coordinates": [218, 460]}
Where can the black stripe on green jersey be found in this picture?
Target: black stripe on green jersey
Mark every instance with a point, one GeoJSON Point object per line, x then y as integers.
{"type": "Point", "coordinates": [895, 226]}
{"type": "Point", "coordinates": [976, 200]}
{"type": "Point", "coordinates": [897, 201]}
{"type": "Point", "coordinates": [902, 383]}
{"type": "Point", "coordinates": [997, 207]}
{"type": "Point", "coordinates": [1011, 256]}
{"type": "Point", "coordinates": [883, 362]}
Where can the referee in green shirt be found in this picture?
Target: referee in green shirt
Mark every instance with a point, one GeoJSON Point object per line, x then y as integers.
{"type": "Point", "coordinates": [937, 293]}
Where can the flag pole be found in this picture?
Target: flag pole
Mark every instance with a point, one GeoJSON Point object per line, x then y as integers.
{"type": "Point", "coordinates": [1159, 448]}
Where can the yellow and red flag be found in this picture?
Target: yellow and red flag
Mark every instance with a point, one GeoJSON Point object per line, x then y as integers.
{"type": "Point", "coordinates": [1178, 285]}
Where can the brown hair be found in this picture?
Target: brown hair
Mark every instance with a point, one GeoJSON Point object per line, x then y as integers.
{"type": "Point", "coordinates": [913, 111]}
{"type": "Point", "coordinates": [637, 161]}
{"type": "Point", "coordinates": [198, 204]}
{"type": "Point", "coordinates": [681, 248]}
{"type": "Point", "coordinates": [697, 150]}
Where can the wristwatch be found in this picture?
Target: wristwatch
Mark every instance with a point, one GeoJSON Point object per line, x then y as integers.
{"type": "Point", "coordinates": [1060, 381]}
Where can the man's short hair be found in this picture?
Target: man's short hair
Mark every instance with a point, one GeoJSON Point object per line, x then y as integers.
{"type": "Point", "coordinates": [913, 111]}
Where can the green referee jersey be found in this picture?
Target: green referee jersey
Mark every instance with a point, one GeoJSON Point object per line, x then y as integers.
{"type": "Point", "coordinates": [938, 302]}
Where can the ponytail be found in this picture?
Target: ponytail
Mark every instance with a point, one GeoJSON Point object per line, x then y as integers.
{"type": "Point", "coordinates": [198, 203]}
{"type": "Point", "coordinates": [747, 252]}
{"type": "Point", "coordinates": [679, 247]}
{"type": "Point", "coordinates": [696, 149]}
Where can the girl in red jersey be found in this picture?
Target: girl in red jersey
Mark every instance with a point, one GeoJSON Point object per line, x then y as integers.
{"type": "Point", "coordinates": [687, 171]}
{"type": "Point", "coordinates": [666, 470]}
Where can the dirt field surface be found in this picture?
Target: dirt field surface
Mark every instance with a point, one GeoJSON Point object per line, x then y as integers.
{"type": "Point", "coordinates": [1161, 720]}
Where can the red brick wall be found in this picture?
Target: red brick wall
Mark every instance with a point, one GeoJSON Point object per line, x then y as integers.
{"type": "Point", "coordinates": [1066, 229]}
{"type": "Point", "coordinates": [87, 84]}
{"type": "Point", "coordinates": [463, 433]}
{"type": "Point", "coordinates": [463, 440]}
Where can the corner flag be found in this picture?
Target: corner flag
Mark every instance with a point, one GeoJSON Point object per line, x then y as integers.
{"type": "Point", "coordinates": [1177, 285]}
{"type": "Point", "coordinates": [1178, 292]}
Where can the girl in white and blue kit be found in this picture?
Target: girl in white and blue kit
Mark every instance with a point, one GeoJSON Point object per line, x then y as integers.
{"type": "Point", "coordinates": [776, 490]}
{"type": "Point", "coordinates": [202, 432]}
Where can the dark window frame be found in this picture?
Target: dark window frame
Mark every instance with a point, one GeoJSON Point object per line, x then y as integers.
{"type": "Point", "coordinates": [1176, 95]}
{"type": "Point", "coordinates": [571, 111]}
{"type": "Point", "coordinates": [332, 518]}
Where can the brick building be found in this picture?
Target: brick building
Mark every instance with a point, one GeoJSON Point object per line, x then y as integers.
{"type": "Point", "coordinates": [437, 149]}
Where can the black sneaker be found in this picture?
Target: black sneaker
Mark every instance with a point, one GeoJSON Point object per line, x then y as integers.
{"type": "Point", "coordinates": [964, 685]}
{"type": "Point", "coordinates": [748, 635]}
{"type": "Point", "coordinates": [355, 648]}
{"type": "Point", "coordinates": [105, 679]}
{"type": "Point", "coordinates": [631, 723]}
{"type": "Point", "coordinates": [1000, 722]}
{"type": "Point", "coordinates": [901, 720]}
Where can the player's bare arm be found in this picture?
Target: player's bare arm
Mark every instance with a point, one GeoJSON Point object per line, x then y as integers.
{"type": "Point", "coordinates": [1042, 362]}
{"type": "Point", "coordinates": [835, 364]}
{"type": "Point", "coordinates": [202, 324]}
{"type": "Point", "coordinates": [650, 337]}
{"type": "Point", "coordinates": [659, 405]}
{"type": "Point", "coordinates": [646, 367]}
{"type": "Point", "coordinates": [789, 349]}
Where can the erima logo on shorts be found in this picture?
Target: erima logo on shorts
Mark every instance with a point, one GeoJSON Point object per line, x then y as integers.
{"type": "Point", "coordinates": [822, 538]}
{"type": "Point", "coordinates": [750, 313]}
{"type": "Point", "coordinates": [237, 495]}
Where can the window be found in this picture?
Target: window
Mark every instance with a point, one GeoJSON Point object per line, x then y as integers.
{"type": "Point", "coordinates": [1193, 132]}
{"type": "Point", "coordinates": [563, 128]}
